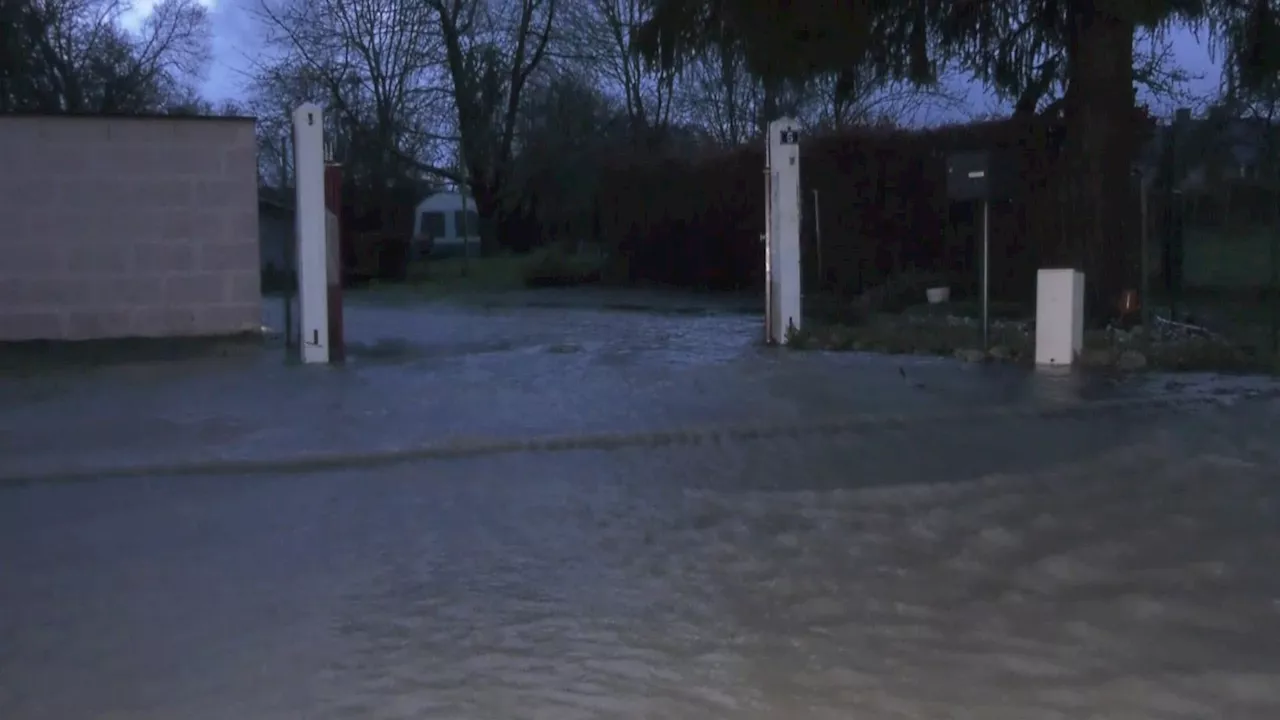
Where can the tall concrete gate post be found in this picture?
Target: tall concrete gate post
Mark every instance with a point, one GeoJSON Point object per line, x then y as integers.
{"type": "Point", "coordinates": [783, 229]}
{"type": "Point", "coordinates": [312, 254]}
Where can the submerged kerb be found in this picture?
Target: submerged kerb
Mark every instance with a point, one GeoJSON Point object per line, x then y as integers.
{"type": "Point", "coordinates": [465, 448]}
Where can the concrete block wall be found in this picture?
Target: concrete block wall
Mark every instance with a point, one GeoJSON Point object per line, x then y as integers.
{"type": "Point", "coordinates": [127, 227]}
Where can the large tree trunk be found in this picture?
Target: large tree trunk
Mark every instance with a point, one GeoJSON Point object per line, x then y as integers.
{"type": "Point", "coordinates": [1098, 153]}
{"type": "Point", "coordinates": [487, 215]}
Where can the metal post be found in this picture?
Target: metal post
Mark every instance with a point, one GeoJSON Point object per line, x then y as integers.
{"type": "Point", "coordinates": [986, 275]}
{"type": "Point", "coordinates": [767, 237]}
{"type": "Point", "coordinates": [817, 235]}
{"type": "Point", "coordinates": [1144, 301]}
{"type": "Point", "coordinates": [1176, 248]}
{"type": "Point", "coordinates": [466, 232]}
{"type": "Point", "coordinates": [290, 291]}
{"type": "Point", "coordinates": [290, 258]}
{"type": "Point", "coordinates": [1173, 250]}
{"type": "Point", "coordinates": [1275, 293]}
{"type": "Point", "coordinates": [334, 227]}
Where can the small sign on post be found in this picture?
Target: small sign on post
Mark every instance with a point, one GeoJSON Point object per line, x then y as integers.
{"type": "Point", "coordinates": [967, 177]}
{"type": "Point", "coordinates": [789, 136]}
{"type": "Point", "coordinates": [968, 180]}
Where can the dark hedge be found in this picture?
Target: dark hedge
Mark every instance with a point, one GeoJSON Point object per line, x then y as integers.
{"type": "Point", "coordinates": [882, 203]}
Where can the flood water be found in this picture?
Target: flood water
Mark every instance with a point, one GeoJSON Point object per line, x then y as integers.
{"type": "Point", "coordinates": [1112, 564]}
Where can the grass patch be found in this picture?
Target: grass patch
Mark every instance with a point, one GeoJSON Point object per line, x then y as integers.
{"type": "Point", "coordinates": [920, 331]}
{"type": "Point", "coordinates": [556, 267]}
{"type": "Point", "coordinates": [438, 278]}
{"type": "Point", "coordinates": [903, 334]}
{"type": "Point", "coordinates": [1247, 322]}
{"type": "Point", "coordinates": [1205, 355]}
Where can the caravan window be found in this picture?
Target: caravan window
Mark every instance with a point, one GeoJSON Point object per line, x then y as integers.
{"type": "Point", "coordinates": [431, 224]}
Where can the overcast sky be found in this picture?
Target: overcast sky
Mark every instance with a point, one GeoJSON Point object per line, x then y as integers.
{"type": "Point", "coordinates": [233, 44]}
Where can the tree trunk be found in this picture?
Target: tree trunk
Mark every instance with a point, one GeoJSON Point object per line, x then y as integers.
{"type": "Point", "coordinates": [768, 106]}
{"type": "Point", "coordinates": [487, 216]}
{"type": "Point", "coordinates": [1098, 153]}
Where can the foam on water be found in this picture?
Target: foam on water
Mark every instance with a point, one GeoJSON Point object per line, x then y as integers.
{"type": "Point", "coordinates": [1132, 585]}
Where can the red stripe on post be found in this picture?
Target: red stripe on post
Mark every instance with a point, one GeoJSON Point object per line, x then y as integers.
{"type": "Point", "coordinates": [333, 204]}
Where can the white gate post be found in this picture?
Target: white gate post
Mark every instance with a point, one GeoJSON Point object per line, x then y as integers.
{"type": "Point", "coordinates": [312, 255]}
{"type": "Point", "coordinates": [783, 231]}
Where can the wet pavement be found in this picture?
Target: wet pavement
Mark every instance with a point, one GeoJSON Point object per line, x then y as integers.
{"type": "Point", "coordinates": [1112, 563]}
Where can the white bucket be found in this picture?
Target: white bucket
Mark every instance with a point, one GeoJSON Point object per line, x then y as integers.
{"type": "Point", "coordinates": [938, 295]}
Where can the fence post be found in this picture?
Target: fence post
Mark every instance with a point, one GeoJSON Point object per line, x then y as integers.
{"type": "Point", "coordinates": [766, 238]}
{"type": "Point", "coordinates": [334, 229]}
{"type": "Point", "coordinates": [817, 235]}
{"type": "Point", "coordinates": [1144, 262]}
{"type": "Point", "coordinates": [466, 232]}
{"type": "Point", "coordinates": [1177, 248]}
{"type": "Point", "coordinates": [291, 338]}
{"type": "Point", "coordinates": [1275, 290]}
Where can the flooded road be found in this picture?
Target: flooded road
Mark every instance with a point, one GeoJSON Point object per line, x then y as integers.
{"type": "Point", "coordinates": [425, 375]}
{"type": "Point", "coordinates": [1114, 563]}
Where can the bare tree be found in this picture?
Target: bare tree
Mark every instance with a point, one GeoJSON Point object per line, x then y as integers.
{"type": "Point", "coordinates": [720, 95]}
{"type": "Point", "coordinates": [566, 128]}
{"type": "Point", "coordinates": [274, 92]}
{"type": "Point", "coordinates": [606, 30]}
{"type": "Point", "coordinates": [492, 48]}
{"type": "Point", "coordinates": [860, 97]}
{"type": "Point", "coordinates": [77, 56]}
{"type": "Point", "coordinates": [375, 65]}
{"type": "Point", "coordinates": [1163, 84]}
{"type": "Point", "coordinates": [174, 46]}
{"type": "Point", "coordinates": [412, 79]}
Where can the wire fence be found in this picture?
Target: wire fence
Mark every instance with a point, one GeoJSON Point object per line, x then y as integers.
{"type": "Point", "coordinates": [1211, 190]}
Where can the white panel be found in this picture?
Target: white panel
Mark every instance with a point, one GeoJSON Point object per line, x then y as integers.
{"type": "Point", "coordinates": [1059, 316]}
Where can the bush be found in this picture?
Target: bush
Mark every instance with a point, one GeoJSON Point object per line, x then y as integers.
{"type": "Point", "coordinates": [556, 267]}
